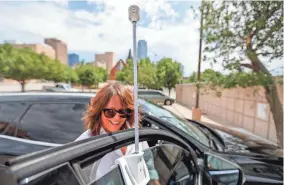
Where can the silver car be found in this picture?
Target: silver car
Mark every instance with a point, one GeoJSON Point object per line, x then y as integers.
{"type": "Point", "coordinates": [155, 96]}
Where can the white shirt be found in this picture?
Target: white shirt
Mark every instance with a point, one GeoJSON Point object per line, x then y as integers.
{"type": "Point", "coordinates": [103, 166]}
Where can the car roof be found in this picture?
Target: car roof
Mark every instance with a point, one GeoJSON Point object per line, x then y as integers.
{"type": "Point", "coordinates": [44, 96]}
{"type": "Point", "coordinates": [61, 84]}
{"type": "Point", "coordinates": [149, 90]}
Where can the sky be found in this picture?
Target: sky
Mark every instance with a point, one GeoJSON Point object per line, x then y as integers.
{"type": "Point", "coordinates": [98, 26]}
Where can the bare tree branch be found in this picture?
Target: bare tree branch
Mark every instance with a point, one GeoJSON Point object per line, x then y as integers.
{"type": "Point", "coordinates": [247, 65]}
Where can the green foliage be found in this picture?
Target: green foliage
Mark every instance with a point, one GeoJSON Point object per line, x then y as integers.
{"type": "Point", "coordinates": [126, 74]}
{"type": "Point", "coordinates": [89, 75]}
{"type": "Point", "coordinates": [23, 64]}
{"type": "Point", "coordinates": [251, 29]}
{"type": "Point", "coordinates": [169, 72]}
{"type": "Point", "coordinates": [234, 79]}
{"type": "Point", "coordinates": [191, 78]}
{"type": "Point", "coordinates": [147, 74]}
{"type": "Point", "coordinates": [19, 64]}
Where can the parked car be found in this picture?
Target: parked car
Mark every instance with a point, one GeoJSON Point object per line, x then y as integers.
{"type": "Point", "coordinates": [155, 96]}
{"type": "Point", "coordinates": [40, 129]}
{"type": "Point", "coordinates": [61, 87]}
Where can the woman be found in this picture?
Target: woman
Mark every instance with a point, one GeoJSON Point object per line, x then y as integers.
{"type": "Point", "coordinates": [112, 110]}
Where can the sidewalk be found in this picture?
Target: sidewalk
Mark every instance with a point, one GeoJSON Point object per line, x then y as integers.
{"type": "Point", "coordinates": [218, 124]}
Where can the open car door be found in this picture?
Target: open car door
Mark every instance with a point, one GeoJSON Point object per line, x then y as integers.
{"type": "Point", "coordinates": [72, 163]}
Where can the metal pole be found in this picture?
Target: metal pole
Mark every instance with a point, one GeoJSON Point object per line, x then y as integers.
{"type": "Point", "coordinates": [136, 126]}
{"type": "Point", "coordinates": [199, 58]}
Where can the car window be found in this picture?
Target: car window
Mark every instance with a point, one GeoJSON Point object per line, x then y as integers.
{"type": "Point", "coordinates": [172, 119]}
{"type": "Point", "coordinates": [171, 164]}
{"type": "Point", "coordinates": [61, 175]}
{"type": "Point", "coordinates": [143, 93]}
{"type": "Point", "coordinates": [167, 164]}
{"type": "Point", "coordinates": [54, 122]}
{"type": "Point", "coordinates": [114, 177]}
{"type": "Point", "coordinates": [9, 115]}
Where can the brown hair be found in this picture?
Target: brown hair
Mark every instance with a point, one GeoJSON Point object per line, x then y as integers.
{"type": "Point", "coordinates": [92, 117]}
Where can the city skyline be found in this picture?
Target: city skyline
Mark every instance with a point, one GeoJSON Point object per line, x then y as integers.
{"type": "Point", "coordinates": [91, 27]}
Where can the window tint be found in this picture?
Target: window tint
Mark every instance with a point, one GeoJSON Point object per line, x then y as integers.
{"type": "Point", "coordinates": [172, 164]}
{"type": "Point", "coordinates": [54, 123]}
{"type": "Point", "coordinates": [142, 92]}
{"type": "Point", "coordinates": [59, 176]}
{"type": "Point", "coordinates": [167, 164]}
{"type": "Point", "coordinates": [150, 93]}
{"type": "Point", "coordinates": [114, 177]}
{"type": "Point", "coordinates": [9, 114]}
{"type": "Point", "coordinates": [172, 119]}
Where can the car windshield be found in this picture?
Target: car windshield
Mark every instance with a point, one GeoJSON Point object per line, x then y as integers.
{"type": "Point", "coordinates": [182, 124]}
{"type": "Point", "coordinates": [67, 86]}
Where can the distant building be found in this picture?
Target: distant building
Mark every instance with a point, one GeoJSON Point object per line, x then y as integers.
{"type": "Point", "coordinates": [38, 48]}
{"type": "Point", "coordinates": [129, 55]}
{"type": "Point", "coordinates": [60, 49]}
{"type": "Point", "coordinates": [142, 49]}
{"type": "Point", "coordinates": [105, 60]}
{"type": "Point", "coordinates": [118, 67]}
{"type": "Point", "coordinates": [73, 59]}
{"type": "Point", "coordinates": [12, 42]}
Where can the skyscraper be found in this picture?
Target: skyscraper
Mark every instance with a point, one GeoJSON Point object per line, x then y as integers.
{"type": "Point", "coordinates": [73, 59]}
{"type": "Point", "coordinates": [142, 49]}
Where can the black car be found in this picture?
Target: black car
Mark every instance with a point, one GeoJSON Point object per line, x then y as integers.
{"type": "Point", "coordinates": [34, 127]}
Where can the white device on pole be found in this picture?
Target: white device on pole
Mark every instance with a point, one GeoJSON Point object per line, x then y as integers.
{"type": "Point", "coordinates": [133, 168]}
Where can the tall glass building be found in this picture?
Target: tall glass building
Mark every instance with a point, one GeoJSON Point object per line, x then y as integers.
{"type": "Point", "coordinates": [73, 59]}
{"type": "Point", "coordinates": [142, 49]}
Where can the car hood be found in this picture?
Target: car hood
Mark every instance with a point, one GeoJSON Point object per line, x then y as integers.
{"type": "Point", "coordinates": [249, 145]}
{"type": "Point", "coordinates": [260, 169]}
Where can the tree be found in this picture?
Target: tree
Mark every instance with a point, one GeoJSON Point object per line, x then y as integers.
{"type": "Point", "coordinates": [169, 73]}
{"type": "Point", "coordinates": [20, 64]}
{"type": "Point", "coordinates": [208, 76]}
{"type": "Point", "coordinates": [126, 74]}
{"type": "Point", "coordinates": [251, 31]}
{"type": "Point", "coordinates": [147, 74]}
{"type": "Point", "coordinates": [89, 75]}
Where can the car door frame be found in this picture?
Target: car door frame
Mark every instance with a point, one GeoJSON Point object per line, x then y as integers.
{"type": "Point", "coordinates": [31, 164]}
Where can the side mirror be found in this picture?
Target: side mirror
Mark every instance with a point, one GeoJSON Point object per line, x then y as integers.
{"type": "Point", "coordinates": [223, 171]}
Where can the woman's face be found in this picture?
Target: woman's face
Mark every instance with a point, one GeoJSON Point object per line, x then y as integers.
{"type": "Point", "coordinates": [115, 123]}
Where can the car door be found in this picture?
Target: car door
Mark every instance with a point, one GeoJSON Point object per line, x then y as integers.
{"type": "Point", "coordinates": [174, 161]}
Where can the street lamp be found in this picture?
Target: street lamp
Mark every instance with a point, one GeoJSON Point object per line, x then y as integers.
{"type": "Point", "coordinates": [134, 16]}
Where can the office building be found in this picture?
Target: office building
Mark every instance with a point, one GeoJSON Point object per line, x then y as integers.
{"type": "Point", "coordinates": [60, 49]}
{"type": "Point", "coordinates": [38, 48]}
{"type": "Point", "coordinates": [105, 60]}
{"type": "Point", "coordinates": [73, 59]}
{"type": "Point", "coordinates": [142, 49]}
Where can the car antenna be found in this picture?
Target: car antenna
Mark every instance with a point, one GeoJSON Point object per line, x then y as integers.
{"type": "Point", "coordinates": [134, 17]}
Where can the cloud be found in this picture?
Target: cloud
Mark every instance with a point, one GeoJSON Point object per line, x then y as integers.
{"type": "Point", "coordinates": [107, 30]}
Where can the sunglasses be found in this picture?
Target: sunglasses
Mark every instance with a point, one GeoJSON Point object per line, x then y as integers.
{"type": "Point", "coordinates": [123, 113]}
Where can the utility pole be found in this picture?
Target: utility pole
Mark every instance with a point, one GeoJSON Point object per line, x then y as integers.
{"type": "Point", "coordinates": [196, 113]}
